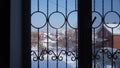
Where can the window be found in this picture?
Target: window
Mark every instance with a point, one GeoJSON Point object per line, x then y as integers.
{"type": "Point", "coordinates": [25, 50]}
{"type": "Point", "coordinates": [84, 52]}
{"type": "Point", "coordinates": [51, 19]}
{"type": "Point", "coordinates": [106, 12]}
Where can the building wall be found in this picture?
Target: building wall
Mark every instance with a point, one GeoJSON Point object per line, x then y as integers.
{"type": "Point", "coordinates": [107, 35]}
{"type": "Point", "coordinates": [117, 41]}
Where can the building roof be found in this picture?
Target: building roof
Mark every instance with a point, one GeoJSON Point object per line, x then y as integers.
{"type": "Point", "coordinates": [116, 30]}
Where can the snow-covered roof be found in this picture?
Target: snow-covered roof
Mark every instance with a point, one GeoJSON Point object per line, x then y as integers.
{"type": "Point", "coordinates": [116, 30]}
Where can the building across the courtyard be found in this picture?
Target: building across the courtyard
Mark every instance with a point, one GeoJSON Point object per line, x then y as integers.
{"type": "Point", "coordinates": [111, 36]}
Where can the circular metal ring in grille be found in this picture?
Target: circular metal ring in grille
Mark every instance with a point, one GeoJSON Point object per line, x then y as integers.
{"type": "Point", "coordinates": [70, 19]}
{"type": "Point", "coordinates": [57, 17]}
{"type": "Point", "coordinates": [110, 15]}
{"type": "Point", "coordinates": [38, 23]}
{"type": "Point", "coordinates": [98, 21]}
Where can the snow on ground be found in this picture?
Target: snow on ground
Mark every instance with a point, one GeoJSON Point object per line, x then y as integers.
{"type": "Point", "coordinates": [52, 64]}
{"type": "Point", "coordinates": [72, 64]}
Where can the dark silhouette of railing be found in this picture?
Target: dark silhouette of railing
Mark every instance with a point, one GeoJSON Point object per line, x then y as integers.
{"type": "Point", "coordinates": [46, 25]}
{"type": "Point", "coordinates": [106, 23]}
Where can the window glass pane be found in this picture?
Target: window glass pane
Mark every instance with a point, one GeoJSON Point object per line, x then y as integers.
{"type": "Point", "coordinates": [106, 34]}
{"type": "Point", "coordinates": [54, 34]}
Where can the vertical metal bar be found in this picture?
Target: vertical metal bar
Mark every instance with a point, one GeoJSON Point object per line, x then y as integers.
{"type": "Point", "coordinates": [103, 32]}
{"type": "Point", "coordinates": [94, 49]}
{"type": "Point", "coordinates": [75, 4]}
{"type": "Point", "coordinates": [38, 5]}
{"type": "Point", "coordinates": [84, 41]}
{"type": "Point", "coordinates": [38, 49]}
{"type": "Point", "coordinates": [66, 9]}
{"type": "Point", "coordinates": [26, 31]}
{"type": "Point", "coordinates": [103, 44]}
{"type": "Point", "coordinates": [111, 5]}
{"type": "Point", "coordinates": [94, 6]}
{"type": "Point", "coordinates": [47, 33]}
{"type": "Point", "coordinates": [47, 8]}
{"type": "Point", "coordinates": [76, 46]}
{"type": "Point", "coordinates": [57, 47]}
{"type": "Point", "coordinates": [112, 48]}
{"type": "Point", "coordinates": [66, 31]}
{"type": "Point", "coordinates": [102, 8]}
{"type": "Point", "coordinates": [114, 64]}
{"type": "Point", "coordinates": [47, 46]}
{"type": "Point", "coordinates": [119, 4]}
{"type": "Point", "coordinates": [76, 31]}
{"type": "Point", "coordinates": [57, 5]}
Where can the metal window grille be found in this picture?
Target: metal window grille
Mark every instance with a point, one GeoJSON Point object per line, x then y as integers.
{"type": "Point", "coordinates": [51, 42]}
{"type": "Point", "coordinates": [106, 48]}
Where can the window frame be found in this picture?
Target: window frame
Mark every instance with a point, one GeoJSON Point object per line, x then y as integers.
{"type": "Point", "coordinates": [85, 27]}
{"type": "Point", "coordinates": [26, 34]}
{"type": "Point", "coordinates": [84, 52]}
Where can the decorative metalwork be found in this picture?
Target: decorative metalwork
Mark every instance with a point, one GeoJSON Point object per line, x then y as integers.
{"type": "Point", "coordinates": [105, 33]}
{"type": "Point", "coordinates": [45, 23]}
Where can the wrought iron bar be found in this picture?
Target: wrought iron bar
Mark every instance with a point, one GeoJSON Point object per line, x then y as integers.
{"type": "Point", "coordinates": [94, 48]}
{"type": "Point", "coordinates": [76, 48]}
{"type": "Point", "coordinates": [105, 52]}
{"type": "Point", "coordinates": [47, 34]}
{"type": "Point", "coordinates": [103, 33]}
{"type": "Point", "coordinates": [75, 4]}
{"type": "Point", "coordinates": [94, 6]}
{"type": "Point", "coordinates": [112, 49]}
{"type": "Point", "coordinates": [40, 54]}
{"type": "Point", "coordinates": [111, 5]}
{"type": "Point", "coordinates": [66, 20]}
{"type": "Point", "coordinates": [56, 5]}
{"type": "Point", "coordinates": [38, 5]}
{"type": "Point", "coordinates": [38, 48]}
{"type": "Point", "coordinates": [57, 47]}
